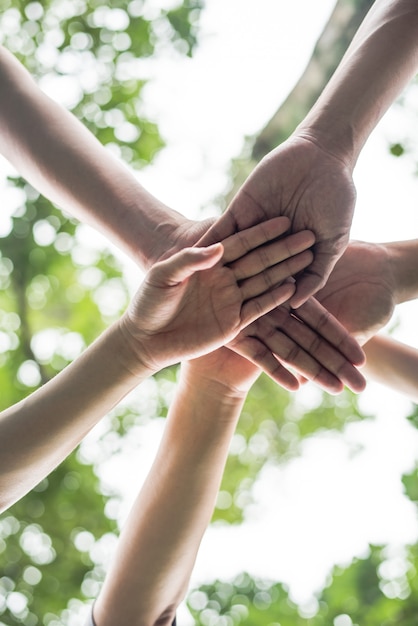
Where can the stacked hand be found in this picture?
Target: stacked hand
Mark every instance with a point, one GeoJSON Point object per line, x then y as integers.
{"type": "Point", "coordinates": [313, 188]}
{"type": "Point", "coordinates": [362, 290]}
{"type": "Point", "coordinates": [199, 299]}
{"type": "Point", "coordinates": [309, 340]}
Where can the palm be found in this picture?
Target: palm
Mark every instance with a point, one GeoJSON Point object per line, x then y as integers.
{"type": "Point", "coordinates": [312, 188]}
{"type": "Point", "coordinates": [324, 356]}
{"type": "Point", "coordinates": [208, 304]}
{"type": "Point", "coordinates": [360, 290]}
{"type": "Point", "coordinates": [200, 298]}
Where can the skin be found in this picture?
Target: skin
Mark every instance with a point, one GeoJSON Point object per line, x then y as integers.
{"type": "Point", "coordinates": [65, 162]}
{"type": "Point", "coordinates": [159, 543]}
{"type": "Point", "coordinates": [380, 277]}
{"type": "Point", "coordinates": [309, 177]}
{"type": "Point", "coordinates": [160, 540]}
{"type": "Point", "coordinates": [39, 432]}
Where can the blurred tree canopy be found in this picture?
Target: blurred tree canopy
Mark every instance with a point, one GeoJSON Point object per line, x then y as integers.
{"type": "Point", "coordinates": [58, 292]}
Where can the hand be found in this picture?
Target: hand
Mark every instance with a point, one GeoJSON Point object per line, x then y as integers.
{"type": "Point", "coordinates": [310, 341]}
{"type": "Point", "coordinates": [187, 233]}
{"type": "Point", "coordinates": [182, 311]}
{"type": "Point", "coordinates": [313, 189]}
{"type": "Point", "coordinates": [362, 291]}
{"type": "Point", "coordinates": [223, 371]}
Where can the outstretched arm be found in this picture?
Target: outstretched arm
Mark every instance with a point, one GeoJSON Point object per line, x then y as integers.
{"type": "Point", "coordinates": [393, 364]}
{"type": "Point", "coordinates": [159, 543]}
{"type": "Point", "coordinates": [160, 540]}
{"type": "Point", "coordinates": [379, 62]}
{"type": "Point", "coordinates": [51, 149]}
{"type": "Point", "coordinates": [162, 326]}
{"type": "Point", "coordinates": [309, 177]}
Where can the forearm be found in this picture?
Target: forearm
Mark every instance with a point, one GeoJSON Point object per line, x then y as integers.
{"type": "Point", "coordinates": [393, 364]}
{"type": "Point", "coordinates": [51, 149]}
{"type": "Point", "coordinates": [39, 432]}
{"type": "Point", "coordinates": [380, 61]}
{"type": "Point", "coordinates": [160, 541]}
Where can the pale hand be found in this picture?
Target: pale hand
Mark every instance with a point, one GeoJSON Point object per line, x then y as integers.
{"type": "Point", "coordinates": [201, 298]}
{"type": "Point", "coordinates": [313, 189]}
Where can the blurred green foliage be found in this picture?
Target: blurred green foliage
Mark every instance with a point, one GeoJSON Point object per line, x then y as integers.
{"type": "Point", "coordinates": [378, 590]}
{"type": "Point", "coordinates": [54, 300]}
{"type": "Point", "coordinates": [271, 429]}
{"type": "Point", "coordinates": [57, 293]}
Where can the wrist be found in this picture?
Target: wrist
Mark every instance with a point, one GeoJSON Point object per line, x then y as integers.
{"type": "Point", "coordinates": [150, 226]}
{"type": "Point", "coordinates": [333, 137]}
{"type": "Point", "coordinates": [210, 387]}
{"type": "Point", "coordinates": [207, 412]}
{"type": "Point", "coordinates": [134, 350]}
{"type": "Point", "coordinates": [404, 262]}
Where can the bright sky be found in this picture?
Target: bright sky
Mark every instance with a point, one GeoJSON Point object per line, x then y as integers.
{"type": "Point", "coordinates": [344, 492]}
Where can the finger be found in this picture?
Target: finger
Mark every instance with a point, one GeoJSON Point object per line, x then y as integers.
{"type": "Point", "coordinates": [257, 307]}
{"type": "Point", "coordinates": [256, 352]}
{"type": "Point", "coordinates": [275, 275]}
{"type": "Point", "coordinates": [305, 349]}
{"type": "Point", "coordinates": [318, 318]}
{"type": "Point", "coordinates": [183, 264]}
{"type": "Point", "coordinates": [243, 212]}
{"type": "Point", "coordinates": [224, 227]}
{"type": "Point", "coordinates": [247, 240]}
{"type": "Point", "coordinates": [287, 346]}
{"type": "Point", "coordinates": [272, 254]}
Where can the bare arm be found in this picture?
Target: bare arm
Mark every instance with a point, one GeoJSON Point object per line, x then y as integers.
{"type": "Point", "coordinates": [160, 540]}
{"type": "Point", "coordinates": [40, 431]}
{"type": "Point", "coordinates": [379, 62]}
{"type": "Point", "coordinates": [390, 362]}
{"type": "Point", "coordinates": [393, 364]}
{"type": "Point", "coordinates": [309, 177]}
{"type": "Point", "coordinates": [161, 327]}
{"type": "Point", "coordinates": [51, 149]}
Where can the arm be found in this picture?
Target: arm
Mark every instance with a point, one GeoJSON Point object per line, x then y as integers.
{"type": "Point", "coordinates": [309, 177]}
{"type": "Point", "coordinates": [162, 326]}
{"type": "Point", "coordinates": [393, 364]}
{"type": "Point", "coordinates": [54, 151]}
{"type": "Point", "coordinates": [51, 149]}
{"type": "Point", "coordinates": [159, 543]}
{"type": "Point", "coordinates": [380, 61]}
{"type": "Point", "coordinates": [65, 162]}
{"type": "Point", "coordinates": [40, 431]}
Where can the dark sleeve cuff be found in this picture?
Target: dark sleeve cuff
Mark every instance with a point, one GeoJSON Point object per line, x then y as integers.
{"type": "Point", "coordinates": [90, 621]}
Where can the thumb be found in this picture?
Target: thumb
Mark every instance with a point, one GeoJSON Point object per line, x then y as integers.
{"type": "Point", "coordinates": [183, 264]}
